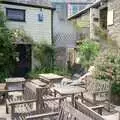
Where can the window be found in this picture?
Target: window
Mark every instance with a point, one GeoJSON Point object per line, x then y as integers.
{"type": "Point", "coordinates": [15, 14]}
{"type": "Point", "coordinates": [110, 17]}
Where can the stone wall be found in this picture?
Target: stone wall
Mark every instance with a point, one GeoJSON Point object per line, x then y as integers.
{"type": "Point", "coordinates": [114, 29]}
{"type": "Point", "coordinates": [83, 24]}
{"type": "Point", "coordinates": [94, 21]}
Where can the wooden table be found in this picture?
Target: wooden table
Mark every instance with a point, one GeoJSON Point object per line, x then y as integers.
{"type": "Point", "coordinates": [69, 90]}
{"type": "Point", "coordinates": [38, 82]}
{"type": "Point", "coordinates": [2, 87]}
{"type": "Point", "coordinates": [3, 90]}
{"type": "Point", "coordinates": [15, 83]}
{"type": "Point", "coordinates": [51, 78]}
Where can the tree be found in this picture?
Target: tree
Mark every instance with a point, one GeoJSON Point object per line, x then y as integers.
{"type": "Point", "coordinates": [7, 57]}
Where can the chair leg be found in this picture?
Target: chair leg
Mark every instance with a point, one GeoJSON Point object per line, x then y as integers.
{"type": "Point", "coordinates": [108, 106]}
{"type": "Point", "coordinates": [82, 97]}
{"type": "Point", "coordinates": [94, 99]}
{"type": "Point", "coordinates": [7, 108]}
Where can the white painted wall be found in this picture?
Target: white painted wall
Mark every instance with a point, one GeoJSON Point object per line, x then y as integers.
{"type": "Point", "coordinates": [39, 31]}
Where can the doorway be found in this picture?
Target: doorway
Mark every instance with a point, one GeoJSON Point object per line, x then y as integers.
{"type": "Point", "coordinates": [103, 18]}
{"type": "Point", "coordinates": [23, 60]}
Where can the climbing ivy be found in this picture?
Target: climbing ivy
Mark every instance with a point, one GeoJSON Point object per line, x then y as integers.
{"type": "Point", "coordinates": [7, 58]}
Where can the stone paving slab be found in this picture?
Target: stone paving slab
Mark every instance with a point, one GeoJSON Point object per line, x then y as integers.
{"type": "Point", "coordinates": [3, 115]}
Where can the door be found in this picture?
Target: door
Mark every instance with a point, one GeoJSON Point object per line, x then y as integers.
{"type": "Point", "coordinates": [23, 60]}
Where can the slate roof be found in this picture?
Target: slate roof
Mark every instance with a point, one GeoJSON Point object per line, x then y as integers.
{"type": "Point", "coordinates": [34, 3]}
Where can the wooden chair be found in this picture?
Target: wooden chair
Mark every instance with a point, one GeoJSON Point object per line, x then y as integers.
{"type": "Point", "coordinates": [20, 95]}
{"type": "Point", "coordinates": [67, 112]}
{"type": "Point", "coordinates": [80, 112]}
{"type": "Point", "coordinates": [91, 112]}
{"type": "Point", "coordinates": [33, 102]}
{"type": "Point", "coordinates": [97, 92]}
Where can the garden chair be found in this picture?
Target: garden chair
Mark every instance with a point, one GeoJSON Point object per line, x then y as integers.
{"type": "Point", "coordinates": [98, 92]}
{"type": "Point", "coordinates": [15, 95]}
{"type": "Point", "coordinates": [81, 112]}
{"type": "Point", "coordinates": [67, 112]}
{"type": "Point", "coordinates": [33, 102]}
{"type": "Point", "coordinates": [91, 112]}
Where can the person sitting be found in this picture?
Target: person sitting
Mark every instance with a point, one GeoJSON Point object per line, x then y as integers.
{"type": "Point", "coordinates": [84, 79]}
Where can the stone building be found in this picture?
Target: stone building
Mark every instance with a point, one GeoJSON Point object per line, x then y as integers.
{"type": "Point", "coordinates": [35, 17]}
{"type": "Point", "coordinates": [106, 13]}
{"type": "Point", "coordinates": [113, 23]}
{"type": "Point", "coordinates": [91, 16]}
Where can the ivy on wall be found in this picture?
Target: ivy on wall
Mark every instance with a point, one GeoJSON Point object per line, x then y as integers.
{"type": "Point", "coordinates": [7, 52]}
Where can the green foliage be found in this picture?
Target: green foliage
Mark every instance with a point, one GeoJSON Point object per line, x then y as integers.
{"type": "Point", "coordinates": [107, 63]}
{"type": "Point", "coordinates": [44, 53]}
{"type": "Point", "coordinates": [34, 73]}
{"type": "Point", "coordinates": [88, 50]}
{"type": "Point", "coordinates": [57, 70]}
{"type": "Point", "coordinates": [20, 36]}
{"type": "Point", "coordinates": [108, 67]}
{"type": "Point", "coordinates": [62, 71]}
{"type": "Point", "coordinates": [116, 88]}
{"type": "Point", "coordinates": [7, 57]}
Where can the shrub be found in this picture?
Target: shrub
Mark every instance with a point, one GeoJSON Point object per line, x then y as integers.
{"type": "Point", "coordinates": [57, 70]}
{"type": "Point", "coordinates": [44, 53]}
{"type": "Point", "coordinates": [108, 68]}
{"type": "Point", "coordinates": [88, 51]}
{"type": "Point", "coordinates": [7, 52]}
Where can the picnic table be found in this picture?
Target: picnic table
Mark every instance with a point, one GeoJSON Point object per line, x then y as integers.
{"type": "Point", "coordinates": [50, 78]}
{"type": "Point", "coordinates": [68, 90]}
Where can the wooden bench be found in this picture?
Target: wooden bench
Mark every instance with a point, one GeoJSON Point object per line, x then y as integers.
{"type": "Point", "coordinates": [33, 102]}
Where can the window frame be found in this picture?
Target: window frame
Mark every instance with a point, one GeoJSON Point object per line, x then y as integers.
{"type": "Point", "coordinates": [17, 20]}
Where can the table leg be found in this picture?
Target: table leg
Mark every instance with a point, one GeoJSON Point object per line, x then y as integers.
{"type": "Point", "coordinates": [55, 93]}
{"type": "Point", "coordinates": [119, 115]}
{"type": "Point", "coordinates": [73, 100]}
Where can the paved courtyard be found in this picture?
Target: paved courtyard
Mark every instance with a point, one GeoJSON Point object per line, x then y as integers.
{"type": "Point", "coordinates": [3, 113]}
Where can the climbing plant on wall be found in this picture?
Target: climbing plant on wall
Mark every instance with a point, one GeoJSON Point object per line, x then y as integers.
{"type": "Point", "coordinates": [7, 57]}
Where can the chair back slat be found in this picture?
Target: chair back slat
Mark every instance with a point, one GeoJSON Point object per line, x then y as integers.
{"type": "Point", "coordinates": [88, 112]}
{"type": "Point", "coordinates": [98, 86]}
{"type": "Point", "coordinates": [70, 113]}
